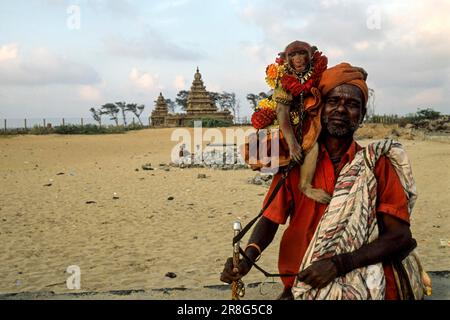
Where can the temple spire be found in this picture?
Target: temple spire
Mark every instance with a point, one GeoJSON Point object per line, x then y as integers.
{"type": "Point", "coordinates": [199, 100]}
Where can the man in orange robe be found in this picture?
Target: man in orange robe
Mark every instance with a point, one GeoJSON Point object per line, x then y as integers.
{"type": "Point", "coordinates": [345, 94]}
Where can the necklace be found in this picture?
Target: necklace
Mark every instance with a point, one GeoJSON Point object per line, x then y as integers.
{"type": "Point", "coordinates": [301, 76]}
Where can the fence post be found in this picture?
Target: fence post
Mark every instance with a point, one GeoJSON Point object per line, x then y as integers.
{"type": "Point", "coordinates": [25, 123]}
{"type": "Point", "coordinates": [82, 122]}
{"type": "Point", "coordinates": [100, 123]}
{"type": "Point", "coordinates": [63, 122]}
{"type": "Point", "coordinates": [45, 124]}
{"type": "Point", "coordinates": [5, 125]}
{"type": "Point", "coordinates": [149, 122]}
{"type": "Point", "coordinates": [133, 121]}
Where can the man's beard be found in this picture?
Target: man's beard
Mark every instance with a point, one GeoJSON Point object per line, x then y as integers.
{"type": "Point", "coordinates": [340, 129]}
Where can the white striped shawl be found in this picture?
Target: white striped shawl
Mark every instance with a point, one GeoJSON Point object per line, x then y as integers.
{"type": "Point", "coordinates": [350, 222]}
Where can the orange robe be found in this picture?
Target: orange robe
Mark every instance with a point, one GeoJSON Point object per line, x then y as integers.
{"type": "Point", "coordinates": [305, 214]}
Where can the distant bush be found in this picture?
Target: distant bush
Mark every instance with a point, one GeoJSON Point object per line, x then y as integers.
{"type": "Point", "coordinates": [211, 123]}
{"type": "Point", "coordinates": [135, 126]}
{"type": "Point", "coordinates": [38, 130]}
{"type": "Point", "coordinates": [88, 129]}
{"type": "Point", "coordinates": [11, 132]}
{"type": "Point", "coordinates": [428, 114]}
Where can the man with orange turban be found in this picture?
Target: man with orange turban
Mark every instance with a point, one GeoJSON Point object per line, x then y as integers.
{"type": "Point", "coordinates": [305, 252]}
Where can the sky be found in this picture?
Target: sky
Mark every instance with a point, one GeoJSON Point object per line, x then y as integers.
{"type": "Point", "coordinates": [59, 58]}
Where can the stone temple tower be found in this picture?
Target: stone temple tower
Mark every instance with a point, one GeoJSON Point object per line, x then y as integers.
{"type": "Point", "coordinates": [159, 114]}
{"type": "Point", "coordinates": [199, 101]}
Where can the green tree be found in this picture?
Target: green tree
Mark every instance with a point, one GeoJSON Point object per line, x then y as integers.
{"type": "Point", "coordinates": [182, 99]}
{"type": "Point", "coordinates": [123, 107]}
{"type": "Point", "coordinates": [97, 115]}
{"type": "Point", "coordinates": [171, 105]}
{"type": "Point", "coordinates": [428, 114]}
{"type": "Point", "coordinates": [112, 110]}
{"type": "Point", "coordinates": [136, 110]}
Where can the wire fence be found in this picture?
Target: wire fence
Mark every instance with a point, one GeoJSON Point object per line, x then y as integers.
{"type": "Point", "coordinates": [29, 123]}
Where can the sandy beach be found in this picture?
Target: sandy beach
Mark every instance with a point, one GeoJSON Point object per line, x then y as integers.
{"type": "Point", "coordinates": [57, 210]}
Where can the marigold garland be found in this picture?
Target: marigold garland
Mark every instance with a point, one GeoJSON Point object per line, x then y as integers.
{"type": "Point", "coordinates": [267, 104]}
{"type": "Point", "coordinates": [263, 118]}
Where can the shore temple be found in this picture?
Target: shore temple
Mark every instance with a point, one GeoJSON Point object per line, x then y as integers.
{"type": "Point", "coordinates": [199, 106]}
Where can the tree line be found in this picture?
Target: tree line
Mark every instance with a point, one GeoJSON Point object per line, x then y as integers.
{"type": "Point", "coordinates": [115, 110]}
{"type": "Point", "coordinates": [224, 101]}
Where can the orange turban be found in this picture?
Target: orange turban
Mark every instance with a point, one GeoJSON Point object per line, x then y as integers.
{"type": "Point", "coordinates": [344, 73]}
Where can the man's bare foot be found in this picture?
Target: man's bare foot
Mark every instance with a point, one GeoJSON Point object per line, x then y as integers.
{"type": "Point", "coordinates": [286, 294]}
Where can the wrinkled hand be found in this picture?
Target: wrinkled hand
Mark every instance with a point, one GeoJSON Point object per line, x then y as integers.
{"type": "Point", "coordinates": [319, 274]}
{"type": "Point", "coordinates": [229, 275]}
{"type": "Point", "coordinates": [296, 152]}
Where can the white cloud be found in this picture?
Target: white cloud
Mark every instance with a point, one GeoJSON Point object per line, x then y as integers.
{"type": "Point", "coordinates": [180, 82]}
{"type": "Point", "coordinates": [150, 45]}
{"type": "Point", "coordinates": [42, 67]}
{"type": "Point", "coordinates": [90, 93]}
{"type": "Point", "coordinates": [428, 97]}
{"type": "Point", "coordinates": [8, 52]}
{"type": "Point", "coordinates": [143, 80]}
{"type": "Point", "coordinates": [362, 45]}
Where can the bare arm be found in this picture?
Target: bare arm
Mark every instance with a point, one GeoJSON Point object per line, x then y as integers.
{"type": "Point", "coordinates": [285, 126]}
{"type": "Point", "coordinates": [262, 235]}
{"type": "Point", "coordinates": [395, 241]}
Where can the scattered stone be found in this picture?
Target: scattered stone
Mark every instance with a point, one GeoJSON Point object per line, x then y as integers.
{"type": "Point", "coordinates": [115, 196]}
{"type": "Point", "coordinates": [201, 176]}
{"type": "Point", "coordinates": [163, 165]}
{"type": "Point", "coordinates": [444, 243]}
{"type": "Point", "coordinates": [136, 169]}
{"type": "Point", "coordinates": [170, 198]}
{"type": "Point", "coordinates": [166, 169]}
{"type": "Point", "coordinates": [171, 275]}
{"type": "Point", "coordinates": [48, 185]}
{"type": "Point", "coordinates": [266, 177]}
{"type": "Point", "coordinates": [147, 167]}
{"type": "Point", "coordinates": [91, 202]}
{"type": "Point", "coordinates": [59, 174]}
{"type": "Point", "coordinates": [195, 237]}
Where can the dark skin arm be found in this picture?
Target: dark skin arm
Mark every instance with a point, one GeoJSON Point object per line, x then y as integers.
{"type": "Point", "coordinates": [395, 239]}
{"type": "Point", "coordinates": [295, 149]}
{"type": "Point", "coordinates": [262, 235]}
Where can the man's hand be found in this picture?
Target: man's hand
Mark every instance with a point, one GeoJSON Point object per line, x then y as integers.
{"type": "Point", "coordinates": [319, 274]}
{"type": "Point", "coordinates": [296, 152]}
{"type": "Point", "coordinates": [229, 275]}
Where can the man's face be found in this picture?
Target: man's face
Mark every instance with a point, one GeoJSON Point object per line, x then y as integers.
{"type": "Point", "coordinates": [299, 60]}
{"type": "Point", "coordinates": [343, 110]}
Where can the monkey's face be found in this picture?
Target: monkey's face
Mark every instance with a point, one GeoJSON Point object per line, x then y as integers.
{"type": "Point", "coordinates": [299, 60]}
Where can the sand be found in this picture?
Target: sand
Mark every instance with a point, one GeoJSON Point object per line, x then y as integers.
{"type": "Point", "coordinates": [132, 242]}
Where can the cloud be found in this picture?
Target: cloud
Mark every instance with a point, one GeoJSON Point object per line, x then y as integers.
{"type": "Point", "coordinates": [90, 93]}
{"type": "Point", "coordinates": [116, 8]}
{"type": "Point", "coordinates": [180, 82]}
{"type": "Point", "coordinates": [407, 51]}
{"type": "Point", "coordinates": [151, 45]}
{"type": "Point", "coordinates": [143, 80]}
{"type": "Point", "coordinates": [8, 52]}
{"type": "Point", "coordinates": [41, 67]}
